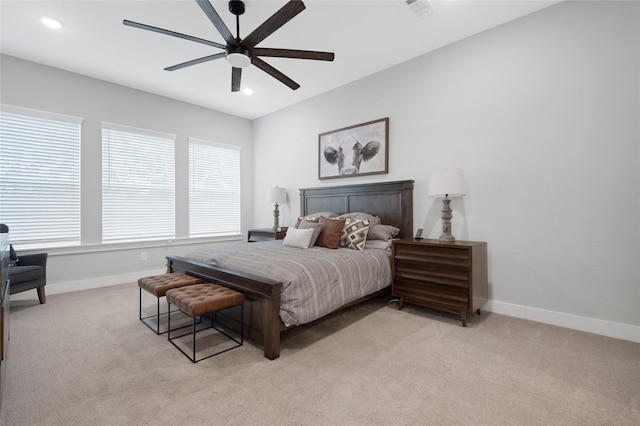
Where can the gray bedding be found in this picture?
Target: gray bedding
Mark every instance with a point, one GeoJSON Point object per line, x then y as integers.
{"type": "Point", "coordinates": [315, 281]}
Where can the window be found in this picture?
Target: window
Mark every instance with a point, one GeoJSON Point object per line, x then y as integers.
{"type": "Point", "coordinates": [40, 177]}
{"type": "Point", "coordinates": [214, 188]}
{"type": "Point", "coordinates": [138, 196]}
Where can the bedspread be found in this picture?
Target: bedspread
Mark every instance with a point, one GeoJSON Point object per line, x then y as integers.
{"type": "Point", "coordinates": [315, 281]}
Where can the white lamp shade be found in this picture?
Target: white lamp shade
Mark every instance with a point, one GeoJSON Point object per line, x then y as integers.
{"type": "Point", "coordinates": [447, 182]}
{"type": "Point", "coordinates": [276, 194]}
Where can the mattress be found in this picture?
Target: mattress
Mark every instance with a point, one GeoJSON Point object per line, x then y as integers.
{"type": "Point", "coordinates": [315, 281]}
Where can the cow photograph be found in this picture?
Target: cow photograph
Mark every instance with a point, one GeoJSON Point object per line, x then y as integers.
{"type": "Point", "coordinates": [357, 150]}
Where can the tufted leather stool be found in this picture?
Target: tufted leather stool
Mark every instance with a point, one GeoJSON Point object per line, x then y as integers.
{"type": "Point", "coordinates": [201, 299]}
{"type": "Point", "coordinates": [158, 286]}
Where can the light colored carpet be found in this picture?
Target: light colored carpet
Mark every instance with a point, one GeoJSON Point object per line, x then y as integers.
{"type": "Point", "coordinates": [85, 359]}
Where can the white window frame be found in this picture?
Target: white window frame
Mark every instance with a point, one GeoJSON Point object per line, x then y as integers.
{"type": "Point", "coordinates": [138, 197]}
{"type": "Point", "coordinates": [40, 187]}
{"type": "Point", "coordinates": [214, 189]}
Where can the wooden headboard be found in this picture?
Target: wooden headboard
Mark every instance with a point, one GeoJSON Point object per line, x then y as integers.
{"type": "Point", "coordinates": [392, 202]}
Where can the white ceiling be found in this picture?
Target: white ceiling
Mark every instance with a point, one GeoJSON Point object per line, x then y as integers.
{"type": "Point", "coordinates": [366, 36]}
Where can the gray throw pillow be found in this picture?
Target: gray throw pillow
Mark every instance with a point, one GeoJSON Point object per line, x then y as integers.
{"type": "Point", "coordinates": [316, 230]}
{"type": "Point", "coordinates": [382, 232]}
{"type": "Point", "coordinates": [373, 220]}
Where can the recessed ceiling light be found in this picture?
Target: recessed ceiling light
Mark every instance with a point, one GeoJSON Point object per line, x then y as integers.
{"type": "Point", "coordinates": [51, 23]}
{"type": "Point", "coordinates": [247, 91]}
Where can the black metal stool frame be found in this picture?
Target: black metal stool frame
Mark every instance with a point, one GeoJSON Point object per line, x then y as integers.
{"type": "Point", "coordinates": [157, 315]}
{"type": "Point", "coordinates": [194, 331]}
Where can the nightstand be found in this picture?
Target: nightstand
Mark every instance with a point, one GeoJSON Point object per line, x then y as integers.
{"type": "Point", "coordinates": [265, 234]}
{"type": "Point", "coordinates": [448, 276]}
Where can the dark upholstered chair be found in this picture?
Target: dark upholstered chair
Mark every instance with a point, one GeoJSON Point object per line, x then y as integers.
{"type": "Point", "coordinates": [26, 272]}
{"type": "Point", "coordinates": [29, 272]}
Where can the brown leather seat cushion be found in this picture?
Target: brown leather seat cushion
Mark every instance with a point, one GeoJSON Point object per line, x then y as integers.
{"type": "Point", "coordinates": [159, 284]}
{"type": "Point", "coordinates": [200, 299]}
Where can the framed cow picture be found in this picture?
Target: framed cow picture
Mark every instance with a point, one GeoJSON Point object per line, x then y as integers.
{"type": "Point", "coordinates": [358, 150]}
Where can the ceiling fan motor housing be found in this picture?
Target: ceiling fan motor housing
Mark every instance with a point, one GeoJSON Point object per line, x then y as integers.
{"type": "Point", "coordinates": [238, 56]}
{"type": "Point", "coordinates": [236, 7]}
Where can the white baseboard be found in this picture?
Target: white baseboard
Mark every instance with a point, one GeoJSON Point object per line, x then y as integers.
{"type": "Point", "coordinates": [56, 288]}
{"type": "Point", "coordinates": [591, 325]}
{"type": "Point", "coordinates": [575, 322]}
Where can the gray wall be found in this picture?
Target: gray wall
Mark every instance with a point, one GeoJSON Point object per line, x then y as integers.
{"type": "Point", "coordinates": [35, 86]}
{"type": "Point", "coordinates": [542, 114]}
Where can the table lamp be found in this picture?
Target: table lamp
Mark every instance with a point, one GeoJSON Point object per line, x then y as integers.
{"type": "Point", "coordinates": [276, 195]}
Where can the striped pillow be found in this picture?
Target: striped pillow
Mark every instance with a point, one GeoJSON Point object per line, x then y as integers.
{"type": "Point", "coordinates": [354, 234]}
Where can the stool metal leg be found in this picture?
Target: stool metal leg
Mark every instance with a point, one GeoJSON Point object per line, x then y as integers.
{"type": "Point", "coordinates": [169, 321]}
{"type": "Point", "coordinates": [194, 340]}
{"type": "Point", "coordinates": [158, 316]}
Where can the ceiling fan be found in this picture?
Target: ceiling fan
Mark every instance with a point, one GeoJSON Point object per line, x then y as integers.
{"type": "Point", "coordinates": [242, 52]}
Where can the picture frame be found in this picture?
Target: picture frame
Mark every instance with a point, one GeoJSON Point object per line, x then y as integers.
{"type": "Point", "coordinates": [358, 150]}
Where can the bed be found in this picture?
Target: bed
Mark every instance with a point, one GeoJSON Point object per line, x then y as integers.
{"type": "Point", "coordinates": [391, 201]}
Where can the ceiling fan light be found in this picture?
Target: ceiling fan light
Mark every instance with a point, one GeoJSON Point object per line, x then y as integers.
{"type": "Point", "coordinates": [238, 60]}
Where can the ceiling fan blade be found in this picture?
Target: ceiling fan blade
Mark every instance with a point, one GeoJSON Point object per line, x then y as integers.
{"type": "Point", "coordinates": [173, 34]}
{"type": "Point", "coordinates": [236, 75]}
{"type": "Point", "coordinates": [278, 19]}
{"type": "Point", "coordinates": [217, 21]}
{"type": "Point", "coordinates": [196, 61]}
{"type": "Point", "coordinates": [297, 54]}
{"type": "Point", "coordinates": [274, 72]}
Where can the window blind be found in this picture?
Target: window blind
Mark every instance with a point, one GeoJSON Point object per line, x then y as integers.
{"type": "Point", "coordinates": [40, 177]}
{"type": "Point", "coordinates": [214, 188]}
{"type": "Point", "coordinates": [138, 179]}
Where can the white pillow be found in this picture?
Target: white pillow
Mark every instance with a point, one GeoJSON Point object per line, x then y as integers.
{"type": "Point", "coordinates": [299, 238]}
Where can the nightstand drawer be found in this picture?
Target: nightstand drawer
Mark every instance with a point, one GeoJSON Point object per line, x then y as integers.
{"type": "Point", "coordinates": [426, 293]}
{"type": "Point", "coordinates": [436, 255]}
{"type": "Point", "coordinates": [457, 276]}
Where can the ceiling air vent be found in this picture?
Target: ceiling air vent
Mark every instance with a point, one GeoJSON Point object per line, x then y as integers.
{"type": "Point", "coordinates": [421, 7]}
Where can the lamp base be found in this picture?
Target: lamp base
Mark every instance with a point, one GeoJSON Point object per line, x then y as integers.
{"type": "Point", "coordinates": [276, 218]}
{"type": "Point", "coordinates": [446, 221]}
